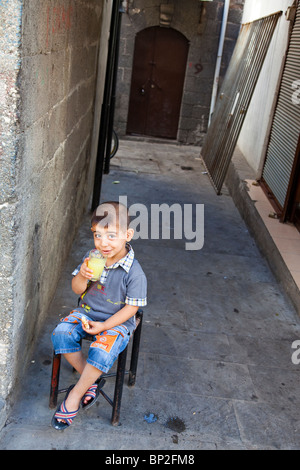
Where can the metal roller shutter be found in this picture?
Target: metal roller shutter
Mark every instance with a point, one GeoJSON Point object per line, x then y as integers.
{"type": "Point", "coordinates": [286, 125]}
{"type": "Point", "coordinates": [235, 96]}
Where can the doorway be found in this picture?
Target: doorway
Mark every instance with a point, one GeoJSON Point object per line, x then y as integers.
{"type": "Point", "coordinates": [158, 74]}
{"type": "Point", "coordinates": [293, 211]}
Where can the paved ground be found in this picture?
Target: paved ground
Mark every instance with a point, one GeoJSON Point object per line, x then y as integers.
{"type": "Point", "coordinates": [215, 368]}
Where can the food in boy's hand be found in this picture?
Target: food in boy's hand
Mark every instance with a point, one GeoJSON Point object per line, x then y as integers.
{"type": "Point", "coordinates": [85, 322]}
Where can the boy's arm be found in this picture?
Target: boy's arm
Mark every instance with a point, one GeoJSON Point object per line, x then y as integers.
{"type": "Point", "coordinates": [80, 281]}
{"type": "Point", "coordinates": [117, 319]}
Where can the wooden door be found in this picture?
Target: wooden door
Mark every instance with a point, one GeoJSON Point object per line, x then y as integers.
{"type": "Point", "coordinates": [158, 74]}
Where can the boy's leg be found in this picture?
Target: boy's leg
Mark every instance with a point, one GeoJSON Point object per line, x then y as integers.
{"type": "Point", "coordinates": [76, 360]}
{"type": "Point", "coordinates": [88, 376]}
{"type": "Point", "coordinates": [103, 352]}
{"type": "Point", "coordinates": [67, 336]}
{"type": "Point", "coordinates": [114, 342]}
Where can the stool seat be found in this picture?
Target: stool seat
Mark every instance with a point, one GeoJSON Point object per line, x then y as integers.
{"type": "Point", "coordinates": [119, 374]}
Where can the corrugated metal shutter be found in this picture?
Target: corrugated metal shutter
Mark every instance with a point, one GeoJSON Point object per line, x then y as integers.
{"type": "Point", "coordinates": [286, 125]}
{"type": "Point", "coordinates": [235, 96]}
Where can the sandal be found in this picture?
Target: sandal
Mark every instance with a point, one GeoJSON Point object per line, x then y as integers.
{"type": "Point", "coordinates": [63, 413]}
{"type": "Point", "coordinates": [93, 393]}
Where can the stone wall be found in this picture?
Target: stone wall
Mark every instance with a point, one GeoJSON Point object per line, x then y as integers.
{"type": "Point", "coordinates": [10, 20]}
{"type": "Point", "coordinates": [50, 52]}
{"type": "Point", "coordinates": [200, 22]}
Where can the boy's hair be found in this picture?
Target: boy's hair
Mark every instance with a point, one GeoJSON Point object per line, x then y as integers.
{"type": "Point", "coordinates": [110, 213]}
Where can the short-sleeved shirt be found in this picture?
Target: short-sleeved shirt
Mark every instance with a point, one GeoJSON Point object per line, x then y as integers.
{"type": "Point", "coordinates": [122, 283]}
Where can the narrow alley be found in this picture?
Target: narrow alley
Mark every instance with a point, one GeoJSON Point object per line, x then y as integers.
{"type": "Point", "coordinates": [215, 368]}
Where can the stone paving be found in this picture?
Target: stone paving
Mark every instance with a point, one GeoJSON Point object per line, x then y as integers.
{"type": "Point", "coordinates": [215, 368]}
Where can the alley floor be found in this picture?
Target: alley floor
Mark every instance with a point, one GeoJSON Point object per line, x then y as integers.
{"type": "Point", "coordinates": [215, 368]}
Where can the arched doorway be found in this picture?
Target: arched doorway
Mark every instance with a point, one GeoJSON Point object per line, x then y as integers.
{"type": "Point", "coordinates": [158, 73]}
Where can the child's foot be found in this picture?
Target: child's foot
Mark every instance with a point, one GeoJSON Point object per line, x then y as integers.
{"type": "Point", "coordinates": [92, 394]}
{"type": "Point", "coordinates": [72, 402]}
{"type": "Point", "coordinates": [63, 417]}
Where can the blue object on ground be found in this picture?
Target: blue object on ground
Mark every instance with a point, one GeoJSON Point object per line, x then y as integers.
{"type": "Point", "coordinates": [150, 418]}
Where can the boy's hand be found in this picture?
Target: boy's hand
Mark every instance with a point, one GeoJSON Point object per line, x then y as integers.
{"type": "Point", "coordinates": [95, 327]}
{"type": "Point", "coordinates": [85, 271]}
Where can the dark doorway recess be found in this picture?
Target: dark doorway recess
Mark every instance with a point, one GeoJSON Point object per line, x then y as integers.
{"type": "Point", "coordinates": [293, 206]}
{"type": "Point", "coordinates": [158, 74]}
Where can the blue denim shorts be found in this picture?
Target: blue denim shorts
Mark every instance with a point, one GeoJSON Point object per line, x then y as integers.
{"type": "Point", "coordinates": [104, 349]}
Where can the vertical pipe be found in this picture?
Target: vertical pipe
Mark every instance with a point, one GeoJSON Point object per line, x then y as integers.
{"type": "Point", "coordinates": [105, 106]}
{"type": "Point", "coordinates": [113, 92]}
{"type": "Point", "coordinates": [219, 59]}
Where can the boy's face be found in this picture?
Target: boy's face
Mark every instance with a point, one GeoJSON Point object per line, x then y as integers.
{"type": "Point", "coordinates": [111, 241]}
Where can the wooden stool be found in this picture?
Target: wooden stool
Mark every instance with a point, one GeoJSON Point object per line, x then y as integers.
{"type": "Point", "coordinates": [119, 374]}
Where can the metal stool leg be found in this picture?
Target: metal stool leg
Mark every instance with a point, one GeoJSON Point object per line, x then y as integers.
{"type": "Point", "coordinates": [135, 350]}
{"type": "Point", "coordinates": [119, 387]}
{"type": "Point", "coordinates": [54, 380]}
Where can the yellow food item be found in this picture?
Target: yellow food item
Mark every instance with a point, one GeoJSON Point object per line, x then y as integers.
{"type": "Point", "coordinates": [85, 322]}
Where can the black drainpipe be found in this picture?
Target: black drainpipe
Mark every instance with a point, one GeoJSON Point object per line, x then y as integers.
{"type": "Point", "coordinates": [107, 111]}
{"type": "Point", "coordinates": [113, 93]}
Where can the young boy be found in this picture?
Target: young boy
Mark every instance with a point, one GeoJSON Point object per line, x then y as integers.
{"type": "Point", "coordinates": [109, 305]}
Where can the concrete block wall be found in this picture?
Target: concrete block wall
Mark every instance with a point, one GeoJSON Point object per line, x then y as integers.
{"type": "Point", "coordinates": [200, 22]}
{"type": "Point", "coordinates": [50, 57]}
{"type": "Point", "coordinates": [10, 40]}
